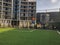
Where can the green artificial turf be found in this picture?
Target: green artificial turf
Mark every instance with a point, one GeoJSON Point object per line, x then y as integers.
{"type": "Point", "coordinates": [11, 36]}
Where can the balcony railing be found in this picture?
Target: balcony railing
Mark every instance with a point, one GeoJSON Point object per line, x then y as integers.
{"type": "Point", "coordinates": [7, 2]}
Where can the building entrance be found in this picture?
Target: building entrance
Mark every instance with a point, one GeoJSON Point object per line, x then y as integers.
{"type": "Point", "coordinates": [15, 23]}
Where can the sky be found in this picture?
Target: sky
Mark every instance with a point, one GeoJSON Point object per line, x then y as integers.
{"type": "Point", "coordinates": [47, 4]}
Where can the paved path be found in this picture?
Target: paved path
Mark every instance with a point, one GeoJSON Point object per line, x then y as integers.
{"type": "Point", "coordinates": [58, 32]}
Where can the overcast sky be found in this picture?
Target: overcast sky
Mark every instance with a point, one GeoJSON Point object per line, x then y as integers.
{"type": "Point", "coordinates": [47, 4]}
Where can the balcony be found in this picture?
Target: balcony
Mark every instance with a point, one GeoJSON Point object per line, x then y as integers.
{"type": "Point", "coordinates": [24, 1]}
{"type": "Point", "coordinates": [6, 10]}
{"type": "Point", "coordinates": [0, 3]}
{"type": "Point", "coordinates": [0, 0]}
{"type": "Point", "coordinates": [31, 0]}
{"type": "Point", "coordinates": [7, 5]}
{"type": "Point", "coordinates": [9, 2]}
{"type": "Point", "coordinates": [6, 16]}
{"type": "Point", "coordinates": [0, 8]}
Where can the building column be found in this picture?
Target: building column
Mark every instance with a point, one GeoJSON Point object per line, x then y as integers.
{"type": "Point", "coordinates": [10, 23]}
{"type": "Point", "coordinates": [2, 11]}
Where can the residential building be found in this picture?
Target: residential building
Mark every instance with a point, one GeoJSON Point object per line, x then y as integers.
{"type": "Point", "coordinates": [48, 17]}
{"type": "Point", "coordinates": [6, 13]}
{"type": "Point", "coordinates": [24, 11]}
{"type": "Point", "coordinates": [17, 13]}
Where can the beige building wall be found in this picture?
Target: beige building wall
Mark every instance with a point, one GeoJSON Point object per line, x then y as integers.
{"type": "Point", "coordinates": [24, 24]}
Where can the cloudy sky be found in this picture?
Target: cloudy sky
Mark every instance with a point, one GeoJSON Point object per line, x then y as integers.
{"type": "Point", "coordinates": [47, 4]}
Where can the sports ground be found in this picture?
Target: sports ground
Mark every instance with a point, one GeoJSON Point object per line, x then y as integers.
{"type": "Point", "coordinates": [14, 36]}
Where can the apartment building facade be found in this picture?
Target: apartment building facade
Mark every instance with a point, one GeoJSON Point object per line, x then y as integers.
{"type": "Point", "coordinates": [24, 11]}
{"type": "Point", "coordinates": [17, 13]}
{"type": "Point", "coordinates": [6, 12]}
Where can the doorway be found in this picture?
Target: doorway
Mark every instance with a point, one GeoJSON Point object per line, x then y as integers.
{"type": "Point", "coordinates": [15, 23]}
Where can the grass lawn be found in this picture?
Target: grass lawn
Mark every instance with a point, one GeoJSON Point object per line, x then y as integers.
{"type": "Point", "coordinates": [11, 36]}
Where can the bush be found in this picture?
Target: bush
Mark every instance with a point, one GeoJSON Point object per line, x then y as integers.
{"type": "Point", "coordinates": [55, 25]}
